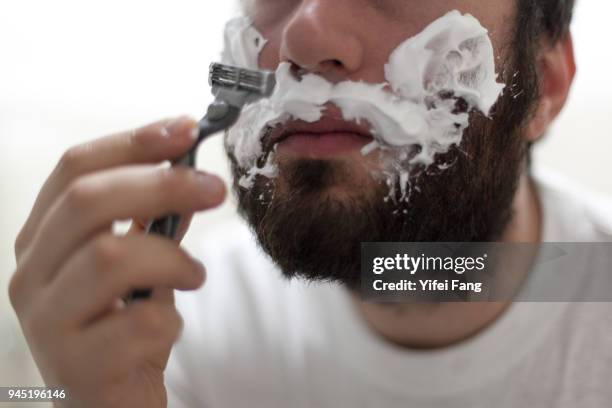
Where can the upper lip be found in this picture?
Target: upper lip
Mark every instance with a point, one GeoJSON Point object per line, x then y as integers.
{"type": "Point", "coordinates": [329, 123]}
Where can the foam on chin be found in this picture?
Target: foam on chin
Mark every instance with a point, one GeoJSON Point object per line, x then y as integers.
{"type": "Point", "coordinates": [436, 78]}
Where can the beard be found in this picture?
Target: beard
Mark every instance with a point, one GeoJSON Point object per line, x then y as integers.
{"type": "Point", "coordinates": [312, 218]}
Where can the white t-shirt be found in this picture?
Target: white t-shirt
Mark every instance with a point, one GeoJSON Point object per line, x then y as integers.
{"type": "Point", "coordinates": [254, 339]}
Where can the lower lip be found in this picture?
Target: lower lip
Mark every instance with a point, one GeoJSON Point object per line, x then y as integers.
{"type": "Point", "coordinates": [323, 145]}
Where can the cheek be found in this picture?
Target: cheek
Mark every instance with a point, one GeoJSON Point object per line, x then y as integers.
{"type": "Point", "coordinates": [269, 55]}
{"type": "Point", "coordinates": [497, 16]}
{"type": "Point", "coordinates": [500, 23]}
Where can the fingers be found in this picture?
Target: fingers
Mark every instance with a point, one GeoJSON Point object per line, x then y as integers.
{"type": "Point", "coordinates": [94, 202]}
{"type": "Point", "coordinates": [163, 295]}
{"type": "Point", "coordinates": [140, 333]}
{"type": "Point", "coordinates": [109, 267]}
{"type": "Point", "coordinates": [164, 140]}
{"type": "Point", "coordinates": [139, 226]}
{"type": "Point", "coordinates": [72, 271]}
{"type": "Point", "coordinates": [183, 227]}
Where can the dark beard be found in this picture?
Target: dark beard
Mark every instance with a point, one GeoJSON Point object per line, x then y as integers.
{"type": "Point", "coordinates": [313, 234]}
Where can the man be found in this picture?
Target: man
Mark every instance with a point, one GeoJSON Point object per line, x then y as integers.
{"type": "Point", "coordinates": [253, 339]}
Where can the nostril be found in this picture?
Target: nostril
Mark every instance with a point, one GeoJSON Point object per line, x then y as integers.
{"type": "Point", "coordinates": [332, 66]}
{"type": "Point", "coordinates": [329, 66]}
{"type": "Point", "coordinates": [296, 71]}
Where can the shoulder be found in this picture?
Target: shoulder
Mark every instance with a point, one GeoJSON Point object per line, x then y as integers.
{"type": "Point", "coordinates": [572, 213]}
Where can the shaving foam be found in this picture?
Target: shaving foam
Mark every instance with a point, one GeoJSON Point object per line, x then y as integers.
{"type": "Point", "coordinates": [242, 43]}
{"type": "Point", "coordinates": [433, 81]}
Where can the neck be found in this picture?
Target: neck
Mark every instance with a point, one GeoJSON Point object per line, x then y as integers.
{"type": "Point", "coordinates": [443, 324]}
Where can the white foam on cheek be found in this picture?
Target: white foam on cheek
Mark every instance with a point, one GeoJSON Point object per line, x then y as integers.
{"type": "Point", "coordinates": [451, 59]}
{"type": "Point", "coordinates": [243, 43]}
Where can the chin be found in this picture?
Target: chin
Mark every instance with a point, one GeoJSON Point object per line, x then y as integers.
{"type": "Point", "coordinates": [340, 178]}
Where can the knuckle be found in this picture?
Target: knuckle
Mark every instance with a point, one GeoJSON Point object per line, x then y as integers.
{"type": "Point", "coordinates": [80, 195]}
{"type": "Point", "coordinates": [15, 289]}
{"type": "Point", "coordinates": [71, 160]}
{"type": "Point", "coordinates": [172, 325]}
{"type": "Point", "coordinates": [177, 325]}
{"type": "Point", "coordinates": [106, 251]}
{"type": "Point", "coordinates": [21, 242]}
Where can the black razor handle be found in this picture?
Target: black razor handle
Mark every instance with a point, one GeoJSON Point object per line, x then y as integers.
{"type": "Point", "coordinates": [220, 116]}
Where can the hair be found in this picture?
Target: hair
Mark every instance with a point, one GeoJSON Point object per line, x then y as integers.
{"type": "Point", "coordinates": [537, 19]}
{"type": "Point", "coordinates": [546, 17]}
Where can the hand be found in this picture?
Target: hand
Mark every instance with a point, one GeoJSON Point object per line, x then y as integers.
{"type": "Point", "coordinates": [72, 271]}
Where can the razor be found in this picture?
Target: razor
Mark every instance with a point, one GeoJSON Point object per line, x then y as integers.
{"type": "Point", "coordinates": [233, 88]}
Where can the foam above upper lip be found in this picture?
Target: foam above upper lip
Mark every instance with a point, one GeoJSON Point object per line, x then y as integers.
{"type": "Point", "coordinates": [451, 59]}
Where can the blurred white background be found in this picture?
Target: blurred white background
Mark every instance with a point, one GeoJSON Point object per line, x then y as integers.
{"type": "Point", "coordinates": [73, 70]}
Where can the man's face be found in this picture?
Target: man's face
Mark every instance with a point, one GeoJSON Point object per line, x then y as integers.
{"type": "Point", "coordinates": [327, 198]}
{"type": "Point", "coordinates": [352, 39]}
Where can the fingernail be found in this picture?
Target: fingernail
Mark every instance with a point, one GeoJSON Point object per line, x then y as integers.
{"type": "Point", "coordinates": [164, 132]}
{"type": "Point", "coordinates": [175, 126]}
{"type": "Point", "coordinates": [195, 132]}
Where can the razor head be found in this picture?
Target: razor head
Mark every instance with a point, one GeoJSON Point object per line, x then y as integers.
{"type": "Point", "coordinates": [260, 84]}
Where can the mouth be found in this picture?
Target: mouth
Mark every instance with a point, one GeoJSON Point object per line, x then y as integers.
{"type": "Point", "coordinates": [329, 137]}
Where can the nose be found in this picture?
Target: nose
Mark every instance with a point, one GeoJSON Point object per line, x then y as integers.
{"type": "Point", "coordinates": [322, 38]}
